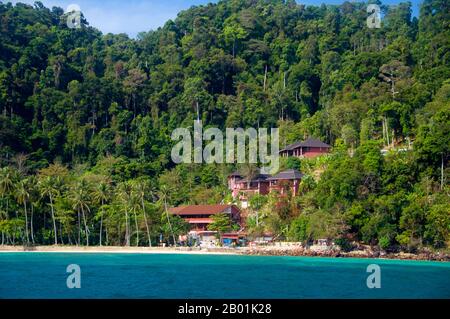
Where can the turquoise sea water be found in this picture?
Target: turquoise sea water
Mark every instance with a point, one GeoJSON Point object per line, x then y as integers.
{"type": "Point", "coordinates": [43, 275]}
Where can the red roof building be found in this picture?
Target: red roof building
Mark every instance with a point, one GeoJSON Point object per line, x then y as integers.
{"type": "Point", "coordinates": [285, 181]}
{"type": "Point", "coordinates": [309, 148]}
{"type": "Point", "coordinates": [256, 185]}
{"type": "Point", "coordinates": [199, 216]}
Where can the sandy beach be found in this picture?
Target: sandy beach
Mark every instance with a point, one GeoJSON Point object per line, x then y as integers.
{"type": "Point", "coordinates": [118, 249]}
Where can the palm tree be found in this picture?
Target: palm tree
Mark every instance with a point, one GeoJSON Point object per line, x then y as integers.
{"type": "Point", "coordinates": [164, 194]}
{"type": "Point", "coordinates": [101, 195]}
{"type": "Point", "coordinates": [135, 206]}
{"type": "Point", "coordinates": [49, 188]}
{"type": "Point", "coordinates": [80, 202]}
{"type": "Point", "coordinates": [7, 178]}
{"type": "Point", "coordinates": [23, 195]}
{"type": "Point", "coordinates": [257, 202]}
{"type": "Point", "coordinates": [34, 197]}
{"type": "Point", "coordinates": [124, 193]}
{"type": "Point", "coordinates": [140, 188]}
{"type": "Point", "coordinates": [3, 216]}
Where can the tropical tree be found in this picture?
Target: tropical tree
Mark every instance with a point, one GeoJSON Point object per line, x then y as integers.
{"type": "Point", "coordinates": [34, 195]}
{"type": "Point", "coordinates": [64, 214]}
{"type": "Point", "coordinates": [164, 197]}
{"type": "Point", "coordinates": [101, 195]}
{"type": "Point", "coordinates": [81, 200]}
{"type": "Point", "coordinates": [141, 188]}
{"type": "Point", "coordinates": [135, 207]}
{"type": "Point", "coordinates": [178, 226]}
{"type": "Point", "coordinates": [23, 196]}
{"type": "Point", "coordinates": [233, 32]}
{"type": "Point", "coordinates": [221, 223]}
{"type": "Point", "coordinates": [257, 202]}
{"type": "Point", "coordinates": [124, 194]}
{"type": "Point", "coordinates": [7, 180]}
{"type": "Point", "coordinates": [49, 187]}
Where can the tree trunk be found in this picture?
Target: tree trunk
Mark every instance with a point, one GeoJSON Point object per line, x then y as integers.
{"type": "Point", "coordinates": [54, 221]}
{"type": "Point", "coordinates": [31, 224]}
{"type": "Point", "coordinates": [79, 227]}
{"type": "Point", "coordinates": [198, 112]}
{"type": "Point", "coordinates": [386, 128]}
{"type": "Point", "coordinates": [393, 138]}
{"type": "Point", "coordinates": [26, 221]}
{"type": "Point", "coordinates": [101, 224]}
{"type": "Point", "coordinates": [86, 231]}
{"type": "Point", "coordinates": [134, 105]}
{"type": "Point", "coordinates": [146, 224]}
{"type": "Point", "coordinates": [265, 79]}
{"type": "Point", "coordinates": [3, 234]}
{"type": "Point", "coordinates": [170, 225]}
{"type": "Point", "coordinates": [137, 227]}
{"type": "Point", "coordinates": [101, 227]}
{"type": "Point", "coordinates": [442, 171]}
{"type": "Point", "coordinates": [61, 234]}
{"type": "Point", "coordinates": [127, 231]}
{"type": "Point", "coordinates": [392, 87]}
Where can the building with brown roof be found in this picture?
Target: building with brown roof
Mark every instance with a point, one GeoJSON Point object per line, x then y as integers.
{"type": "Point", "coordinates": [262, 184]}
{"type": "Point", "coordinates": [199, 216]}
{"type": "Point", "coordinates": [250, 186]}
{"type": "Point", "coordinates": [310, 148]}
{"type": "Point", "coordinates": [285, 182]}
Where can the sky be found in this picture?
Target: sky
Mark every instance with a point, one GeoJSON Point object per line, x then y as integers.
{"type": "Point", "coordinates": [134, 16]}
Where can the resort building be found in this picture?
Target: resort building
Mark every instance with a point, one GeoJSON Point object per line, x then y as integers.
{"type": "Point", "coordinates": [283, 182]}
{"type": "Point", "coordinates": [248, 186]}
{"type": "Point", "coordinates": [199, 216]}
{"type": "Point", "coordinates": [309, 148]}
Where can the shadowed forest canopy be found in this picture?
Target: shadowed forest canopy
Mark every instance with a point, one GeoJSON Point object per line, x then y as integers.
{"type": "Point", "coordinates": [104, 105]}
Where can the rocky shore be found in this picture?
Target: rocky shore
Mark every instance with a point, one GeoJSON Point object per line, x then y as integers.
{"type": "Point", "coordinates": [367, 253]}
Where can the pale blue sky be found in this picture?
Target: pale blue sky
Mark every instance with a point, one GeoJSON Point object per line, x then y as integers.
{"type": "Point", "coordinates": [133, 16]}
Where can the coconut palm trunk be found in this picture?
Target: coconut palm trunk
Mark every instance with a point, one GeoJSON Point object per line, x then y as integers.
{"type": "Point", "coordinates": [86, 230]}
{"type": "Point", "coordinates": [101, 196]}
{"type": "Point", "coordinates": [127, 230]}
{"type": "Point", "coordinates": [79, 227]}
{"type": "Point", "coordinates": [168, 221]}
{"type": "Point", "coordinates": [101, 223]}
{"type": "Point", "coordinates": [137, 227]}
{"type": "Point", "coordinates": [31, 224]}
{"type": "Point", "coordinates": [27, 235]}
{"type": "Point", "coordinates": [54, 220]}
{"type": "Point", "coordinates": [146, 223]}
{"type": "Point", "coordinates": [61, 238]}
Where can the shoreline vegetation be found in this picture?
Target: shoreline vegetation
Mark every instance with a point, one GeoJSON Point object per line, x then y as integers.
{"type": "Point", "coordinates": [272, 250]}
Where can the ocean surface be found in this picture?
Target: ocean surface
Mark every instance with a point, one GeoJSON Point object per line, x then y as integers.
{"type": "Point", "coordinates": [105, 275]}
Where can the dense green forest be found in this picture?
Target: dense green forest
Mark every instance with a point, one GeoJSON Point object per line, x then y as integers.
{"type": "Point", "coordinates": [86, 118]}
